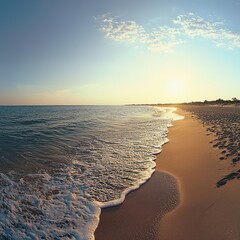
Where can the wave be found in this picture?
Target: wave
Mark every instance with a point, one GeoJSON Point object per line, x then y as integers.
{"type": "Point", "coordinates": [105, 162]}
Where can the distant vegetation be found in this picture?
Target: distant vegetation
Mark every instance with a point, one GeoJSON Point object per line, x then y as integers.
{"type": "Point", "coordinates": [216, 102]}
{"type": "Point", "coordinates": [233, 101]}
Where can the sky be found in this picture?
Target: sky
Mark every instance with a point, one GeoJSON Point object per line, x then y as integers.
{"type": "Point", "coordinates": [118, 52]}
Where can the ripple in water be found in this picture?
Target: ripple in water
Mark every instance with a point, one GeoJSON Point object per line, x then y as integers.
{"type": "Point", "coordinates": [61, 164]}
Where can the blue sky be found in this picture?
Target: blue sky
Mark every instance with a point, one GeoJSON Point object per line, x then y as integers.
{"type": "Point", "coordinates": [117, 52]}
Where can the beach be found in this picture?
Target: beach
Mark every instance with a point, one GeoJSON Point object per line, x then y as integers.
{"type": "Point", "coordinates": [62, 163]}
{"type": "Point", "coordinates": [183, 199]}
{"type": "Point", "coordinates": [120, 120]}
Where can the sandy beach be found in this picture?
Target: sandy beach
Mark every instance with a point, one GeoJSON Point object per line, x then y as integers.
{"type": "Point", "coordinates": [183, 199]}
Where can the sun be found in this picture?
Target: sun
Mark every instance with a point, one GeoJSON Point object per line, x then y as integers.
{"type": "Point", "coordinates": [175, 86]}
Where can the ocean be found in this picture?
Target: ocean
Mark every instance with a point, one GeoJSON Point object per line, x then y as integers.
{"type": "Point", "coordinates": [59, 165]}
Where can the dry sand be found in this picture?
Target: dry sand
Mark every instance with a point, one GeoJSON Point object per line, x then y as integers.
{"type": "Point", "coordinates": [181, 200]}
{"type": "Point", "coordinates": [223, 123]}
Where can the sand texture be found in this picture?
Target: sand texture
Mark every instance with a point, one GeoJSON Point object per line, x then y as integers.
{"type": "Point", "coordinates": [223, 123]}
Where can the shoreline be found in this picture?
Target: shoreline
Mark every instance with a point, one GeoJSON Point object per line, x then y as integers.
{"type": "Point", "coordinates": [197, 208]}
{"type": "Point", "coordinates": [123, 219]}
{"type": "Point", "coordinates": [151, 170]}
{"type": "Point", "coordinates": [148, 188]}
{"type": "Point", "coordinates": [167, 181]}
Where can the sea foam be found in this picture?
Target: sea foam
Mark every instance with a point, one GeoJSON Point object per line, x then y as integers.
{"type": "Point", "coordinates": [84, 159]}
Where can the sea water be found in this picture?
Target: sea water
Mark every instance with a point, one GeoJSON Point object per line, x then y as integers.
{"type": "Point", "coordinates": [59, 165]}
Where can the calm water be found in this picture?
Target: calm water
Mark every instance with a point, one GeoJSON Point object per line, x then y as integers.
{"type": "Point", "coordinates": [59, 165]}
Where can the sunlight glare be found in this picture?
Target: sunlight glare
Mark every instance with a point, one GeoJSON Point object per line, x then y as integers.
{"type": "Point", "coordinates": [175, 87]}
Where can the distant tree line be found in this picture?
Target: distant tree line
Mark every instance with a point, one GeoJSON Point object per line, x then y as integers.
{"type": "Point", "coordinates": [216, 102]}
{"type": "Point", "coordinates": [233, 101]}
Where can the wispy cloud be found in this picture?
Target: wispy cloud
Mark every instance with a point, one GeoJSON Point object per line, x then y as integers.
{"type": "Point", "coordinates": [196, 26]}
{"type": "Point", "coordinates": [166, 38]}
{"type": "Point", "coordinates": [160, 39]}
{"type": "Point", "coordinates": [122, 30]}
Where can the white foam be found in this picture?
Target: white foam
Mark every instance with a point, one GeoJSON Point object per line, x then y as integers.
{"type": "Point", "coordinates": [67, 203]}
{"type": "Point", "coordinates": [168, 113]}
{"type": "Point", "coordinates": [163, 113]}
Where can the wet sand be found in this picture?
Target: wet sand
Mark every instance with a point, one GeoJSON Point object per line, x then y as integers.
{"type": "Point", "coordinates": [181, 201]}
